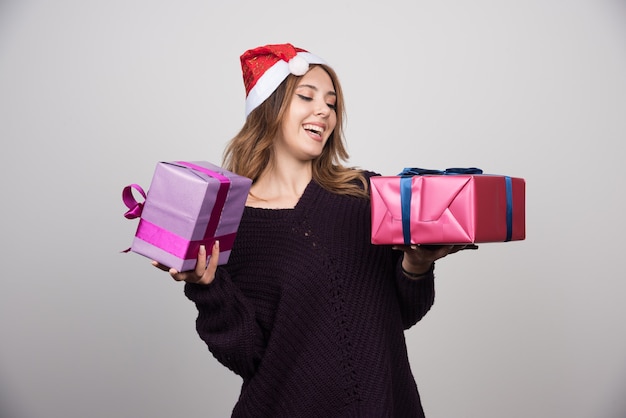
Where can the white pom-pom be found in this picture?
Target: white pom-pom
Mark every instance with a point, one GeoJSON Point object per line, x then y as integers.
{"type": "Point", "coordinates": [298, 65]}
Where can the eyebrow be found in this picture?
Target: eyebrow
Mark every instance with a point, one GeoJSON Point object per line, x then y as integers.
{"type": "Point", "coordinates": [331, 93]}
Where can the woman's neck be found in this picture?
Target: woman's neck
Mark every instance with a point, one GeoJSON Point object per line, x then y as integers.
{"type": "Point", "coordinates": [280, 186]}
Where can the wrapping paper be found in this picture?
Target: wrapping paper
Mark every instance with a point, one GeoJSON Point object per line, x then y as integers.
{"type": "Point", "coordinates": [187, 205]}
{"type": "Point", "coordinates": [454, 206]}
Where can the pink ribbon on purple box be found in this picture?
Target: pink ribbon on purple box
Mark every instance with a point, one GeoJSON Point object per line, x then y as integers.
{"type": "Point", "coordinates": [170, 242]}
{"type": "Point", "coordinates": [134, 207]}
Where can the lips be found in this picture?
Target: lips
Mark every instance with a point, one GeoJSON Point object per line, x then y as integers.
{"type": "Point", "coordinates": [314, 128]}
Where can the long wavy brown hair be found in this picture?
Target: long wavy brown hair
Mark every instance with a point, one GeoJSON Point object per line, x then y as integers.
{"type": "Point", "coordinates": [251, 150]}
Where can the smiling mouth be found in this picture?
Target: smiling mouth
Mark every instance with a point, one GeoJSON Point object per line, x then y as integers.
{"type": "Point", "coordinates": [318, 130]}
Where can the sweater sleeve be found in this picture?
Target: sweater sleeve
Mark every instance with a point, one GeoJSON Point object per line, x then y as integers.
{"type": "Point", "coordinates": [226, 323]}
{"type": "Point", "coordinates": [416, 297]}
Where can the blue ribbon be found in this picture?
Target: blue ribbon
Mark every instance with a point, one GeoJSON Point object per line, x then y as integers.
{"type": "Point", "coordinates": [405, 204]}
{"type": "Point", "coordinates": [405, 195]}
{"type": "Point", "coordinates": [509, 208]}
{"type": "Point", "coordinates": [416, 171]}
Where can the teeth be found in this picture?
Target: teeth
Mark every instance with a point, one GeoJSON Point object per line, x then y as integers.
{"type": "Point", "coordinates": [314, 128]}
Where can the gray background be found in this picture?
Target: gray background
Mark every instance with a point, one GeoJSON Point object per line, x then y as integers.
{"type": "Point", "coordinates": [94, 93]}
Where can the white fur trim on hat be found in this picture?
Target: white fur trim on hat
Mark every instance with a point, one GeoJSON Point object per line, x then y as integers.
{"type": "Point", "coordinates": [273, 76]}
{"type": "Point", "coordinates": [298, 65]}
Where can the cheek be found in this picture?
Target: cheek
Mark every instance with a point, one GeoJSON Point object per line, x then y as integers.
{"type": "Point", "coordinates": [333, 123]}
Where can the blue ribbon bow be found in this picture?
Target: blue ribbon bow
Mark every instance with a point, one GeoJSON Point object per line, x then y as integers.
{"type": "Point", "coordinates": [416, 171]}
{"type": "Point", "coordinates": [405, 195]}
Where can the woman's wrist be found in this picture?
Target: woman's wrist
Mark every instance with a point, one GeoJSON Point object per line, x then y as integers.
{"type": "Point", "coordinates": [416, 272]}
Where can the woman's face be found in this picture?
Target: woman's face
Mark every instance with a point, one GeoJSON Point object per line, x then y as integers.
{"type": "Point", "coordinates": [310, 118]}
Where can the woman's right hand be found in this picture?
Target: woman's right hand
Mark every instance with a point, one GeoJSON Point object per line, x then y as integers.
{"type": "Point", "coordinates": [204, 273]}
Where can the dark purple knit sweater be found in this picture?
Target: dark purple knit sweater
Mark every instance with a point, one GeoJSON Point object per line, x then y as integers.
{"type": "Point", "coordinates": [312, 316]}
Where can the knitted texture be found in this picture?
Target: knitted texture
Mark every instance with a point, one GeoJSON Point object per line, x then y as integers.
{"type": "Point", "coordinates": [312, 316]}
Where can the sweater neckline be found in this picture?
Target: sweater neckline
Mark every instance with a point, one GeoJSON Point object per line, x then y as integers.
{"type": "Point", "coordinates": [306, 196]}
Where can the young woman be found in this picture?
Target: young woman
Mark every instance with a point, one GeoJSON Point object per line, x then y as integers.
{"type": "Point", "coordinates": [307, 311]}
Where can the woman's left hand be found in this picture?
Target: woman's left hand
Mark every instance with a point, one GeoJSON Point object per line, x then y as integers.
{"type": "Point", "coordinates": [419, 258]}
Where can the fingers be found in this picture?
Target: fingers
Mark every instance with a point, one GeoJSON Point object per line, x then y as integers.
{"type": "Point", "coordinates": [420, 253]}
{"type": "Point", "coordinates": [160, 266]}
{"type": "Point", "coordinates": [181, 276]}
{"type": "Point", "coordinates": [451, 248]}
{"type": "Point", "coordinates": [202, 262]}
{"type": "Point", "coordinates": [442, 251]}
{"type": "Point", "coordinates": [173, 272]}
{"type": "Point", "coordinates": [457, 248]}
{"type": "Point", "coordinates": [203, 273]}
{"type": "Point", "coordinates": [215, 257]}
{"type": "Point", "coordinates": [426, 249]}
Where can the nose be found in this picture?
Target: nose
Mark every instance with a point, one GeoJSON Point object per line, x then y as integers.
{"type": "Point", "coordinates": [322, 108]}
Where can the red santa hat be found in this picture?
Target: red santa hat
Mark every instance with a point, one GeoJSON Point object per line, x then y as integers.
{"type": "Point", "coordinates": [265, 67]}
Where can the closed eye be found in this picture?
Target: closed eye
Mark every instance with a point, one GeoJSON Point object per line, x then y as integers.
{"type": "Point", "coordinates": [332, 106]}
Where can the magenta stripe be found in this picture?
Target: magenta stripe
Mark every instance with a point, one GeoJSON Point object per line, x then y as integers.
{"type": "Point", "coordinates": [177, 245]}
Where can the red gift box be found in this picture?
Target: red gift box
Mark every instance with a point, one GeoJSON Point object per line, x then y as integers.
{"type": "Point", "coordinates": [188, 204]}
{"type": "Point", "coordinates": [455, 206]}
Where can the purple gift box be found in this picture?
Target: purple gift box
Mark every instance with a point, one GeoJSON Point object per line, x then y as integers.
{"type": "Point", "coordinates": [187, 205]}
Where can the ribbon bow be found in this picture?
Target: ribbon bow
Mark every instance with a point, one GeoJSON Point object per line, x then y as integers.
{"type": "Point", "coordinates": [134, 208]}
{"type": "Point", "coordinates": [416, 171]}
